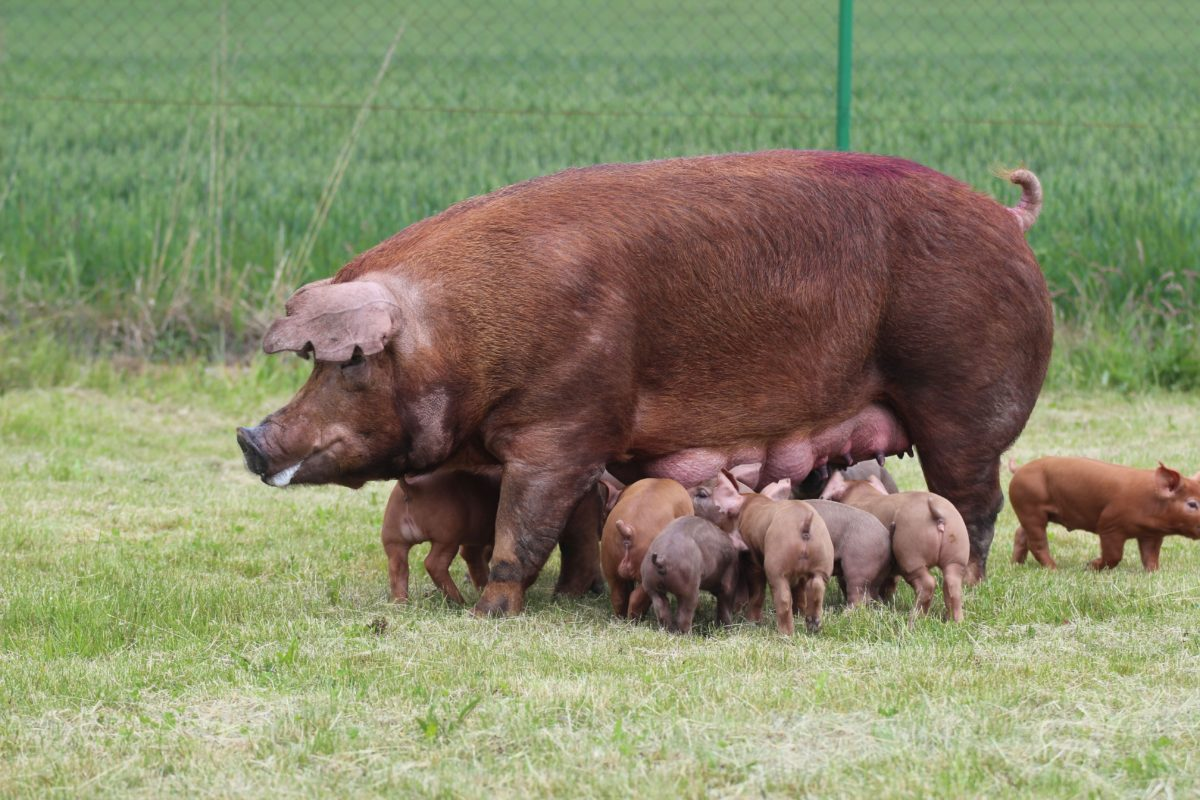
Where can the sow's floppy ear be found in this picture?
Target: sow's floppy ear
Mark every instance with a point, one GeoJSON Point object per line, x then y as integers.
{"type": "Point", "coordinates": [333, 319]}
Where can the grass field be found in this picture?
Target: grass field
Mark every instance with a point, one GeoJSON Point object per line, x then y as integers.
{"type": "Point", "coordinates": [137, 216]}
{"type": "Point", "coordinates": [169, 625]}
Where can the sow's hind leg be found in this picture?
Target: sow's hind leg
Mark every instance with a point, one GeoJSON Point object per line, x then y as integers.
{"type": "Point", "coordinates": [960, 430]}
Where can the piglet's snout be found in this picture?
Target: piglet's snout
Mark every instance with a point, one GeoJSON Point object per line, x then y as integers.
{"type": "Point", "coordinates": [250, 440]}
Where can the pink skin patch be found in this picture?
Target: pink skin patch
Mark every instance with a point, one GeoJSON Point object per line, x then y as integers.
{"type": "Point", "coordinates": [873, 430]}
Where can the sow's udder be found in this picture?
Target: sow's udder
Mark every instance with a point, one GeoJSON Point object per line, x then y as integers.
{"type": "Point", "coordinates": [871, 433]}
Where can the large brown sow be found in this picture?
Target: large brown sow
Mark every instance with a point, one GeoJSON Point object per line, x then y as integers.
{"type": "Point", "coordinates": [667, 319]}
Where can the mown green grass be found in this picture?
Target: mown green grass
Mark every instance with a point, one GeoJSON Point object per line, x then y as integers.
{"type": "Point", "coordinates": [132, 226]}
{"type": "Point", "coordinates": [169, 625]}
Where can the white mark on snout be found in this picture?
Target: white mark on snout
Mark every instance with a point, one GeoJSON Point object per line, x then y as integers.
{"type": "Point", "coordinates": [284, 477]}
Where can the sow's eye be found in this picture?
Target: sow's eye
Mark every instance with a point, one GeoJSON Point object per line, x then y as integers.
{"type": "Point", "coordinates": [702, 493]}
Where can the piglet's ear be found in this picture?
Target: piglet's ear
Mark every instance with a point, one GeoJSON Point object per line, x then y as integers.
{"type": "Point", "coordinates": [1196, 477]}
{"type": "Point", "coordinates": [747, 473]}
{"type": "Point", "coordinates": [332, 320]}
{"type": "Point", "coordinates": [878, 484]}
{"type": "Point", "coordinates": [726, 496]}
{"type": "Point", "coordinates": [779, 490]}
{"type": "Point", "coordinates": [835, 487]}
{"type": "Point", "coordinates": [1167, 479]}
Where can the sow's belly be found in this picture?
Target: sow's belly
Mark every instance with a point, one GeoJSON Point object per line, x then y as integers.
{"type": "Point", "coordinates": [872, 433]}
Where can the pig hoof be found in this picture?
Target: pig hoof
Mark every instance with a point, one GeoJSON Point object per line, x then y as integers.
{"type": "Point", "coordinates": [813, 624]}
{"type": "Point", "coordinates": [880, 458]}
{"type": "Point", "coordinates": [975, 573]}
{"type": "Point", "coordinates": [499, 600]}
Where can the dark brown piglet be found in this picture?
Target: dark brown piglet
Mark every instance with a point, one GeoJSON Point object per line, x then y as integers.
{"type": "Point", "coordinates": [690, 555]}
{"type": "Point", "coordinates": [862, 550]}
{"type": "Point", "coordinates": [1117, 503]}
{"type": "Point", "coordinates": [927, 531]}
{"type": "Point", "coordinates": [644, 509]}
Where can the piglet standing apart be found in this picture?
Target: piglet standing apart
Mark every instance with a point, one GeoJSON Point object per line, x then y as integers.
{"type": "Point", "coordinates": [862, 550]}
{"type": "Point", "coordinates": [690, 555]}
{"type": "Point", "coordinates": [455, 510]}
{"type": "Point", "coordinates": [789, 546]}
{"type": "Point", "coordinates": [1116, 502]}
{"type": "Point", "coordinates": [927, 531]}
{"type": "Point", "coordinates": [641, 513]}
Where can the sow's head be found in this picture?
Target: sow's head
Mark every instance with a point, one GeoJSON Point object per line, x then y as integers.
{"type": "Point", "coordinates": [343, 426]}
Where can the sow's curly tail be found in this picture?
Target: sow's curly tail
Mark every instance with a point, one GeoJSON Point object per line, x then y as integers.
{"type": "Point", "coordinates": [1027, 210]}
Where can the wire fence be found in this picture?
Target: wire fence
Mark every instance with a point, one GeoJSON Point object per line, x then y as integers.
{"type": "Point", "coordinates": [168, 150]}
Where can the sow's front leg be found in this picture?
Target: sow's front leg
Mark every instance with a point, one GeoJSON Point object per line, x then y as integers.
{"type": "Point", "coordinates": [535, 503]}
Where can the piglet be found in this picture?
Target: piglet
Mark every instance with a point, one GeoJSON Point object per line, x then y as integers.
{"type": "Point", "coordinates": [640, 514]}
{"type": "Point", "coordinates": [456, 512]}
{"type": "Point", "coordinates": [690, 555]}
{"type": "Point", "coordinates": [788, 542]}
{"type": "Point", "coordinates": [862, 550]}
{"type": "Point", "coordinates": [1116, 502]}
{"type": "Point", "coordinates": [927, 531]}
{"type": "Point", "coordinates": [449, 509]}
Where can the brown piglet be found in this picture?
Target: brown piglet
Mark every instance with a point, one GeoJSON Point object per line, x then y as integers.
{"type": "Point", "coordinates": [455, 511]}
{"type": "Point", "coordinates": [1116, 502]}
{"type": "Point", "coordinates": [789, 546]}
{"type": "Point", "coordinates": [641, 513]}
{"type": "Point", "coordinates": [862, 550]}
{"type": "Point", "coordinates": [449, 509]}
{"type": "Point", "coordinates": [927, 531]}
{"type": "Point", "coordinates": [691, 554]}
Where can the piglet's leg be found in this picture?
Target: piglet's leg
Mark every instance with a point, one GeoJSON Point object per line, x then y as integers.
{"type": "Point", "coordinates": [639, 601]}
{"type": "Point", "coordinates": [727, 594]}
{"type": "Point", "coordinates": [535, 502]}
{"type": "Point", "coordinates": [781, 593]}
{"type": "Point", "coordinates": [686, 612]}
{"type": "Point", "coordinates": [397, 554]}
{"type": "Point", "coordinates": [756, 591]}
{"type": "Point", "coordinates": [952, 591]}
{"type": "Point", "coordinates": [662, 610]}
{"type": "Point", "coordinates": [618, 595]}
{"type": "Point", "coordinates": [1112, 548]}
{"type": "Point", "coordinates": [1020, 546]}
{"type": "Point", "coordinates": [476, 558]}
{"type": "Point", "coordinates": [814, 602]}
{"type": "Point", "coordinates": [437, 564]}
{"type": "Point", "coordinates": [924, 584]}
{"type": "Point", "coordinates": [1149, 548]}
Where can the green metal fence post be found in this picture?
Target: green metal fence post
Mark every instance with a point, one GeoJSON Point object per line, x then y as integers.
{"type": "Point", "coordinates": [845, 29]}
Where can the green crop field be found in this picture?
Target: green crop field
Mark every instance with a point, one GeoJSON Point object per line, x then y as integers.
{"type": "Point", "coordinates": [170, 171]}
{"type": "Point", "coordinates": [171, 626]}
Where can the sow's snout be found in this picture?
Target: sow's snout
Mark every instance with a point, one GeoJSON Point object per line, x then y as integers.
{"type": "Point", "coordinates": [250, 440]}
